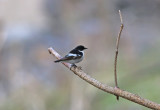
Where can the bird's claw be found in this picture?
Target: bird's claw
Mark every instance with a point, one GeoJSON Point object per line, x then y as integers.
{"type": "Point", "coordinates": [79, 67]}
{"type": "Point", "coordinates": [74, 66]}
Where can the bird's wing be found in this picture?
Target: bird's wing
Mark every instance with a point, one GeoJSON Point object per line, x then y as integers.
{"type": "Point", "coordinates": [70, 57]}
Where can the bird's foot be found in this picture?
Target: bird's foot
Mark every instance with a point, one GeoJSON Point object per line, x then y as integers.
{"type": "Point", "coordinates": [74, 66]}
{"type": "Point", "coordinates": [79, 67]}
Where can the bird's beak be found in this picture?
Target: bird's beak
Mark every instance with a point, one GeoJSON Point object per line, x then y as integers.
{"type": "Point", "coordinates": [85, 48]}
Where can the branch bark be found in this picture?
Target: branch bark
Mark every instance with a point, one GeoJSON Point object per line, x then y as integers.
{"type": "Point", "coordinates": [115, 91]}
{"type": "Point", "coordinates": [116, 52]}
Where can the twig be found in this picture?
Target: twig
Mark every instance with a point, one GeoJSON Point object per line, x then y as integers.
{"type": "Point", "coordinates": [115, 91]}
{"type": "Point", "coordinates": [116, 52]}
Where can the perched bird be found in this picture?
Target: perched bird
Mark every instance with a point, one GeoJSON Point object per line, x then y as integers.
{"type": "Point", "coordinates": [74, 56]}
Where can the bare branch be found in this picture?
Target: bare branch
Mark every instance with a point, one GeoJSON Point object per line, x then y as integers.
{"type": "Point", "coordinates": [116, 52]}
{"type": "Point", "coordinates": [115, 91]}
{"type": "Point", "coordinates": [120, 15]}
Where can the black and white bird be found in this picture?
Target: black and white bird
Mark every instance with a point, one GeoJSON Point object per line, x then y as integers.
{"type": "Point", "coordinates": [74, 56]}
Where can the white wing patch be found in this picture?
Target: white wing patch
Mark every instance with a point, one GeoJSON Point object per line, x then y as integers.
{"type": "Point", "coordinates": [76, 57]}
{"type": "Point", "coordinates": [70, 54]}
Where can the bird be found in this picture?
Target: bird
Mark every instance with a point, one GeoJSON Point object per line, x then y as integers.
{"type": "Point", "coordinates": [74, 56]}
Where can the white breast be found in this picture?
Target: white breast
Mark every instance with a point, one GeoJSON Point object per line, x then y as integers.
{"type": "Point", "coordinates": [77, 60]}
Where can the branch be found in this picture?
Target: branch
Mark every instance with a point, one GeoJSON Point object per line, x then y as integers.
{"type": "Point", "coordinates": [106, 88]}
{"type": "Point", "coordinates": [116, 52]}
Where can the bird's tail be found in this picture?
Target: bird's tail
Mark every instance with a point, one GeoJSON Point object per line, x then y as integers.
{"type": "Point", "coordinates": [57, 61]}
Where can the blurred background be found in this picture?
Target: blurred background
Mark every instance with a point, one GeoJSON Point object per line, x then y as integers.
{"type": "Point", "coordinates": [30, 80]}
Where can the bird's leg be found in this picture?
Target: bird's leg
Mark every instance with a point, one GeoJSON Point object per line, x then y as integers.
{"type": "Point", "coordinates": [73, 65]}
{"type": "Point", "coordinates": [79, 67]}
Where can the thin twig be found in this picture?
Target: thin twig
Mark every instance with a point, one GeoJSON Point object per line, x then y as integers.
{"type": "Point", "coordinates": [115, 91]}
{"type": "Point", "coordinates": [116, 52]}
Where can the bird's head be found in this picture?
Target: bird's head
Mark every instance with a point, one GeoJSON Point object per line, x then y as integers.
{"type": "Point", "coordinates": [80, 47]}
